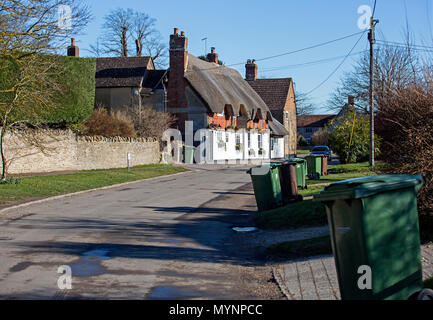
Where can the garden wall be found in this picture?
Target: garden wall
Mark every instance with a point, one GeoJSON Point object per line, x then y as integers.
{"type": "Point", "coordinates": [62, 150]}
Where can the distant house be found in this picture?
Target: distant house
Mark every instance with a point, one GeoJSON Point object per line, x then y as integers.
{"type": "Point", "coordinates": [127, 82]}
{"type": "Point", "coordinates": [279, 96]}
{"type": "Point", "coordinates": [308, 125]}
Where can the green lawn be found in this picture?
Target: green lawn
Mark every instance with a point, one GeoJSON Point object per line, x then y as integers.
{"type": "Point", "coordinates": [309, 212]}
{"type": "Point", "coordinates": [302, 248]}
{"type": "Point", "coordinates": [53, 185]}
{"type": "Point", "coordinates": [428, 283]}
{"type": "Point", "coordinates": [303, 152]}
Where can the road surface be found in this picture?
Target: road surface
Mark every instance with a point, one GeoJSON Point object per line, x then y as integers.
{"type": "Point", "coordinates": [169, 238]}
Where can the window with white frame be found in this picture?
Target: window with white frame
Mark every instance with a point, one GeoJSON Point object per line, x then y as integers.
{"type": "Point", "coordinates": [249, 140]}
{"type": "Point", "coordinates": [260, 141]}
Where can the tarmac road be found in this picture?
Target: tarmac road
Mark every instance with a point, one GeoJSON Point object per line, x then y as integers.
{"type": "Point", "coordinates": [158, 239]}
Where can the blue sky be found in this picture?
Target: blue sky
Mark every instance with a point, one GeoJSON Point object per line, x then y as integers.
{"type": "Point", "coordinates": [242, 30]}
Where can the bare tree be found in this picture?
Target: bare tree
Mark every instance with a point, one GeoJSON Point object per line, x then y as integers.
{"type": "Point", "coordinates": [29, 31]}
{"type": "Point", "coordinates": [304, 105]}
{"type": "Point", "coordinates": [124, 26]}
{"type": "Point", "coordinates": [143, 28]}
{"type": "Point", "coordinates": [117, 28]}
{"type": "Point", "coordinates": [393, 66]}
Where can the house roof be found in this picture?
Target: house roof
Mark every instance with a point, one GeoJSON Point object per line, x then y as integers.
{"type": "Point", "coordinates": [315, 121]}
{"type": "Point", "coordinates": [220, 86]}
{"type": "Point", "coordinates": [122, 72]}
{"type": "Point", "coordinates": [277, 129]}
{"type": "Point", "coordinates": [274, 92]}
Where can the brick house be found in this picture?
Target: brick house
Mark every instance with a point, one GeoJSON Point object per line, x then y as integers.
{"type": "Point", "coordinates": [308, 125]}
{"type": "Point", "coordinates": [279, 96]}
{"type": "Point", "coordinates": [216, 98]}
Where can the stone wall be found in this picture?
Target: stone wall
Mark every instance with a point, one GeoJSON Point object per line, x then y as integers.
{"type": "Point", "coordinates": [62, 150]}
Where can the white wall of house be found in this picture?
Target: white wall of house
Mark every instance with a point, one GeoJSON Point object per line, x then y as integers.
{"type": "Point", "coordinates": [224, 145]}
{"type": "Point", "coordinates": [277, 148]}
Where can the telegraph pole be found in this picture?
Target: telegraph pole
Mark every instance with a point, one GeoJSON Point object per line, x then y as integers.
{"type": "Point", "coordinates": [372, 40]}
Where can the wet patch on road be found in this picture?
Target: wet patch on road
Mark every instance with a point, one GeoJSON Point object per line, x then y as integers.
{"type": "Point", "coordinates": [172, 293]}
{"type": "Point", "coordinates": [89, 265]}
{"type": "Point", "coordinates": [21, 266]}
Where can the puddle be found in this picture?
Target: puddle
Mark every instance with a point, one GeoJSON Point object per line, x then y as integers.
{"type": "Point", "coordinates": [171, 293]}
{"type": "Point", "coordinates": [247, 229]}
{"type": "Point", "coordinates": [20, 266]}
{"type": "Point", "coordinates": [89, 264]}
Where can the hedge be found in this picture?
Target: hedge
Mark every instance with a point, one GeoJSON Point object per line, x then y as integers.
{"type": "Point", "coordinates": [77, 101]}
{"type": "Point", "coordinates": [73, 98]}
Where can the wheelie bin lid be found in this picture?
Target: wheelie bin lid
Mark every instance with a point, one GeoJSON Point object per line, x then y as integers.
{"type": "Point", "coordinates": [263, 169]}
{"type": "Point", "coordinates": [297, 160]}
{"type": "Point", "coordinates": [368, 186]}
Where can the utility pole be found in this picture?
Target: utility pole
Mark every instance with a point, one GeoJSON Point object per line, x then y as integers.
{"type": "Point", "coordinates": [372, 40]}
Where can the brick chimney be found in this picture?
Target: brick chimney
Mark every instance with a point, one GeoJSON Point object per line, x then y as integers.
{"type": "Point", "coordinates": [212, 56]}
{"type": "Point", "coordinates": [251, 68]}
{"type": "Point", "coordinates": [178, 62]}
{"type": "Point", "coordinates": [73, 50]}
{"type": "Point", "coordinates": [351, 100]}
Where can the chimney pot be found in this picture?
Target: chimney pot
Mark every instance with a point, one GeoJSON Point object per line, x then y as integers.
{"type": "Point", "coordinates": [351, 100]}
{"type": "Point", "coordinates": [176, 30]}
{"type": "Point", "coordinates": [73, 50]}
{"type": "Point", "coordinates": [251, 70]}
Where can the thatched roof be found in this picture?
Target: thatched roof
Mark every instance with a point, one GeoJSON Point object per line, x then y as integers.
{"type": "Point", "coordinates": [220, 86]}
{"type": "Point", "coordinates": [277, 129]}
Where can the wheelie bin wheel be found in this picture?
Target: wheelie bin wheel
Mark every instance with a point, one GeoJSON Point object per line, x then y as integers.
{"type": "Point", "coordinates": [426, 294]}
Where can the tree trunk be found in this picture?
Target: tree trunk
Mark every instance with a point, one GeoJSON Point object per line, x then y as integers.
{"type": "Point", "coordinates": [124, 42]}
{"type": "Point", "coordinates": [3, 158]}
{"type": "Point", "coordinates": [139, 47]}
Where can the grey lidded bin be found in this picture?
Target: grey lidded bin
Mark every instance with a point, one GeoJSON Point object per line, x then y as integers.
{"type": "Point", "coordinates": [374, 222]}
{"type": "Point", "coordinates": [188, 154]}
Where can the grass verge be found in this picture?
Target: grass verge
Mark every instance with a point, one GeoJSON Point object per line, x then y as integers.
{"type": "Point", "coordinates": [305, 213]}
{"type": "Point", "coordinates": [46, 186]}
{"type": "Point", "coordinates": [302, 248]}
{"type": "Point", "coordinates": [428, 284]}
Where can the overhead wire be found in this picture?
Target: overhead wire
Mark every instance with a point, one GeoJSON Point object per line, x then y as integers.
{"type": "Point", "coordinates": [339, 65]}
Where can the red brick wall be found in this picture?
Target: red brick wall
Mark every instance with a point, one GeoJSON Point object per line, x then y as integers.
{"type": "Point", "coordinates": [224, 123]}
{"type": "Point", "coordinates": [176, 95]}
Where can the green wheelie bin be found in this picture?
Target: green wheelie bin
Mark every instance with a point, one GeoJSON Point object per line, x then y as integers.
{"type": "Point", "coordinates": [314, 164]}
{"type": "Point", "coordinates": [267, 186]}
{"type": "Point", "coordinates": [301, 171]}
{"type": "Point", "coordinates": [188, 154]}
{"type": "Point", "coordinates": [375, 236]}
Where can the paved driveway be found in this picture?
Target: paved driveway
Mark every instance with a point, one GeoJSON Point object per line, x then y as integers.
{"type": "Point", "coordinates": [134, 242]}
